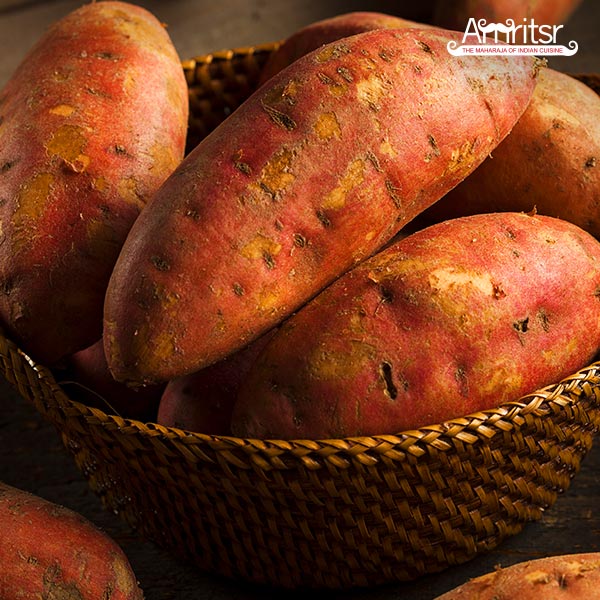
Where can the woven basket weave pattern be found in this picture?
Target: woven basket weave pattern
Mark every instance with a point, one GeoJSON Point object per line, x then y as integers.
{"type": "Point", "coordinates": [329, 513]}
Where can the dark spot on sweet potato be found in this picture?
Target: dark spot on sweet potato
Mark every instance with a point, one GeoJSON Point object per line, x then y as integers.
{"type": "Point", "coordinates": [425, 47]}
{"type": "Point", "coordinates": [521, 325]}
{"type": "Point", "coordinates": [238, 290]}
{"type": "Point", "coordinates": [372, 158]}
{"type": "Point", "coordinates": [323, 219]}
{"type": "Point", "coordinates": [590, 162]}
{"type": "Point", "coordinates": [460, 375]}
{"type": "Point", "coordinates": [387, 295]}
{"type": "Point", "coordinates": [299, 240]}
{"type": "Point", "coordinates": [392, 190]}
{"type": "Point", "coordinates": [385, 370]}
{"type": "Point", "coordinates": [119, 149]}
{"type": "Point", "coordinates": [497, 291]}
{"type": "Point", "coordinates": [544, 320]}
{"type": "Point", "coordinates": [384, 55]}
{"type": "Point", "coordinates": [192, 214]}
{"type": "Point", "coordinates": [160, 263]}
{"type": "Point", "coordinates": [345, 74]}
{"type": "Point", "coordinates": [279, 118]}
{"type": "Point", "coordinates": [7, 165]}
{"type": "Point", "coordinates": [54, 587]}
{"type": "Point", "coordinates": [242, 167]}
{"type": "Point", "coordinates": [325, 78]}
{"type": "Point", "coordinates": [6, 286]}
{"type": "Point", "coordinates": [269, 260]}
{"type": "Point", "coordinates": [107, 55]}
{"type": "Point", "coordinates": [510, 234]}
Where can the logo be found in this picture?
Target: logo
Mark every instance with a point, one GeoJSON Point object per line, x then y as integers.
{"type": "Point", "coordinates": [510, 39]}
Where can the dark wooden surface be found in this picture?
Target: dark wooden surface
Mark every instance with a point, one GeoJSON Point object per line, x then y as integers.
{"type": "Point", "coordinates": [31, 455]}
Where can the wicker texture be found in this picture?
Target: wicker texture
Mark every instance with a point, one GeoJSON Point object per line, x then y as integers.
{"type": "Point", "coordinates": [329, 513]}
{"type": "Point", "coordinates": [218, 83]}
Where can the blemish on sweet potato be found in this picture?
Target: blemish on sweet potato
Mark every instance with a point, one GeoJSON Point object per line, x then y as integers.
{"type": "Point", "coordinates": [345, 74]}
{"type": "Point", "coordinates": [543, 319]}
{"type": "Point", "coordinates": [68, 143]}
{"type": "Point", "coordinates": [372, 90]}
{"type": "Point", "coordinates": [393, 192]}
{"type": "Point", "coordinates": [327, 126]}
{"type": "Point", "coordinates": [461, 157]}
{"type": "Point", "coordinates": [242, 167]}
{"type": "Point", "coordinates": [332, 51]}
{"type": "Point", "coordinates": [435, 151]}
{"type": "Point", "coordinates": [160, 263]}
{"type": "Point", "coordinates": [128, 191]}
{"type": "Point", "coordinates": [261, 247]}
{"type": "Point", "coordinates": [336, 88]}
{"type": "Point", "coordinates": [353, 177]}
{"type": "Point", "coordinates": [33, 198]}
{"type": "Point", "coordinates": [238, 289]}
{"type": "Point", "coordinates": [521, 325]}
{"type": "Point", "coordinates": [425, 47]}
{"type": "Point", "coordinates": [62, 110]}
{"type": "Point", "coordinates": [460, 375]}
{"type": "Point", "coordinates": [7, 165]}
{"type": "Point", "coordinates": [590, 162]}
{"type": "Point", "coordinates": [299, 240]}
{"type": "Point", "coordinates": [276, 176]}
{"type": "Point", "coordinates": [279, 118]}
{"type": "Point", "coordinates": [323, 219]}
{"type": "Point", "coordinates": [385, 370]}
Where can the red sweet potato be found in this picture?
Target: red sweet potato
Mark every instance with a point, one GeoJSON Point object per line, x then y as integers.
{"type": "Point", "coordinates": [312, 174]}
{"type": "Point", "coordinates": [203, 401]}
{"type": "Point", "coordinates": [317, 34]}
{"type": "Point", "coordinates": [91, 123]}
{"type": "Point", "coordinates": [49, 551]}
{"type": "Point", "coordinates": [456, 318]}
{"type": "Point", "coordinates": [550, 161]}
{"type": "Point", "coordinates": [86, 378]}
{"type": "Point", "coordinates": [566, 577]}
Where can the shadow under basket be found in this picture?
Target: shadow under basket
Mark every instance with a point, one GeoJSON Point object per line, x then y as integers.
{"type": "Point", "coordinates": [321, 513]}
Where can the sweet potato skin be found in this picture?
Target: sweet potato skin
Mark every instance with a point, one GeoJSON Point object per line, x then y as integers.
{"type": "Point", "coordinates": [317, 34]}
{"type": "Point", "coordinates": [550, 162]}
{"type": "Point", "coordinates": [454, 319]}
{"type": "Point", "coordinates": [306, 179]}
{"type": "Point", "coordinates": [49, 551]}
{"type": "Point", "coordinates": [566, 577]}
{"type": "Point", "coordinates": [85, 376]}
{"type": "Point", "coordinates": [203, 401]}
{"type": "Point", "coordinates": [91, 123]}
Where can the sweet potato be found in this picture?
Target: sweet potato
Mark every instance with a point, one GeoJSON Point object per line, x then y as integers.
{"type": "Point", "coordinates": [203, 401]}
{"type": "Point", "coordinates": [312, 174]}
{"type": "Point", "coordinates": [49, 551]}
{"type": "Point", "coordinates": [455, 14]}
{"type": "Point", "coordinates": [566, 577]}
{"type": "Point", "coordinates": [91, 123]}
{"type": "Point", "coordinates": [453, 319]}
{"type": "Point", "coordinates": [550, 161]}
{"type": "Point", "coordinates": [86, 378]}
{"type": "Point", "coordinates": [317, 34]}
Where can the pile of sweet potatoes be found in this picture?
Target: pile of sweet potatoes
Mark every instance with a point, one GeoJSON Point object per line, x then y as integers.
{"type": "Point", "coordinates": [255, 287]}
{"type": "Point", "coordinates": [245, 288]}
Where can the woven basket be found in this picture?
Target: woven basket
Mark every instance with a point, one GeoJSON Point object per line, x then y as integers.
{"type": "Point", "coordinates": [328, 513]}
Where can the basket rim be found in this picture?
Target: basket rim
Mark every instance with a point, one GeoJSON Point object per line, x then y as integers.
{"type": "Point", "coordinates": [467, 428]}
